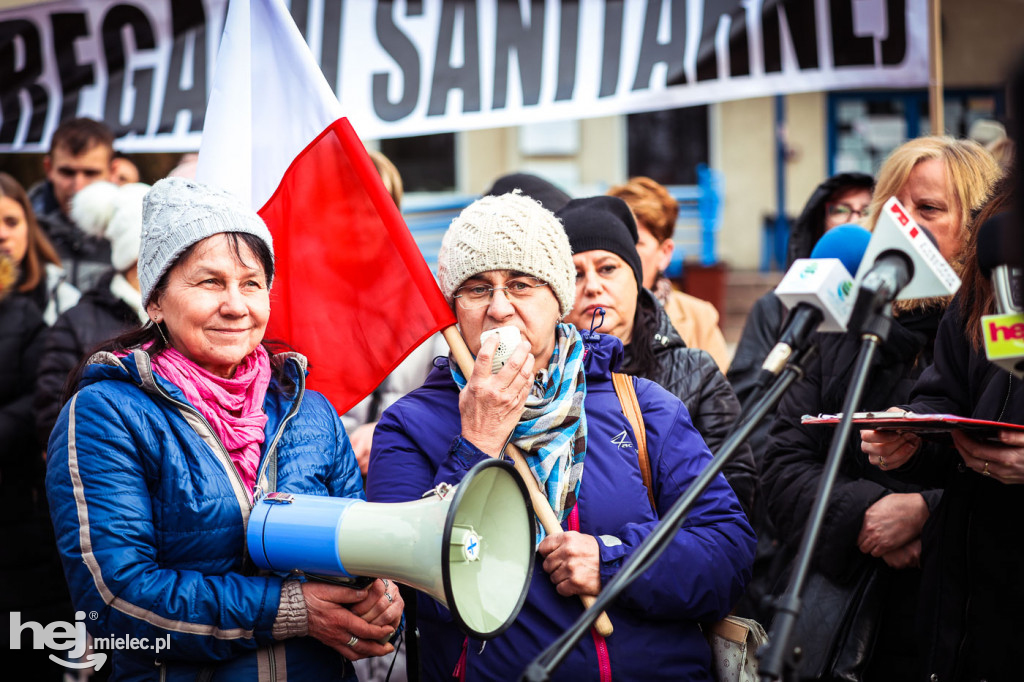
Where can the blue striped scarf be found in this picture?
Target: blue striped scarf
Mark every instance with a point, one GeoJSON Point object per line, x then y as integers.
{"type": "Point", "coordinates": [552, 431]}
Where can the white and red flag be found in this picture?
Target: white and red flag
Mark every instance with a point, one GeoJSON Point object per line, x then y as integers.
{"type": "Point", "coordinates": [351, 290]}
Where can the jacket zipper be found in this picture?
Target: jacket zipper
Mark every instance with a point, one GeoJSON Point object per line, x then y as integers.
{"type": "Point", "coordinates": [1006, 400]}
{"type": "Point", "coordinates": [292, 411]}
{"type": "Point", "coordinates": [223, 451]}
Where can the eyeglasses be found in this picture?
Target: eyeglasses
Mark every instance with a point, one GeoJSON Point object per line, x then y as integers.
{"type": "Point", "coordinates": [479, 295]}
{"type": "Point", "coordinates": [845, 211]}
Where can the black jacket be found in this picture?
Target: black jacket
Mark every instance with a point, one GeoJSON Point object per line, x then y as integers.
{"type": "Point", "coordinates": [21, 328]}
{"type": "Point", "coordinates": [84, 257]}
{"type": "Point", "coordinates": [973, 548]}
{"type": "Point", "coordinates": [693, 376]}
{"type": "Point", "coordinates": [795, 460]}
{"type": "Point", "coordinates": [98, 317]}
{"type": "Point", "coordinates": [31, 580]}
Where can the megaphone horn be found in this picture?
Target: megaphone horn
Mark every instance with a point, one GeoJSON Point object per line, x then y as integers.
{"type": "Point", "coordinates": [470, 546]}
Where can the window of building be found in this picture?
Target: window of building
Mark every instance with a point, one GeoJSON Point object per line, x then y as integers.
{"type": "Point", "coordinates": [667, 145]}
{"type": "Point", "coordinates": [426, 162]}
{"type": "Point", "coordinates": [863, 127]}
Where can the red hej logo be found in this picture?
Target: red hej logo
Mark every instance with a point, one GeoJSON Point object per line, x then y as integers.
{"type": "Point", "coordinates": [1013, 331]}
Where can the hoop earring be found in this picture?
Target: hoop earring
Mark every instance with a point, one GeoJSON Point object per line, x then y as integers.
{"type": "Point", "coordinates": [161, 332]}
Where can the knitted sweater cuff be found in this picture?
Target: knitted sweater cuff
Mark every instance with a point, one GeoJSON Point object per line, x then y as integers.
{"type": "Point", "coordinates": [292, 618]}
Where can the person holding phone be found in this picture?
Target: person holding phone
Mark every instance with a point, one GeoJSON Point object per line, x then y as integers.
{"type": "Point", "coordinates": [506, 262]}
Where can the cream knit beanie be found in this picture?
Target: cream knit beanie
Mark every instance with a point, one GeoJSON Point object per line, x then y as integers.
{"type": "Point", "coordinates": [508, 232]}
{"type": "Point", "coordinates": [177, 213]}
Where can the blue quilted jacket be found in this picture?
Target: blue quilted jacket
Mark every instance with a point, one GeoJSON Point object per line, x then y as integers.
{"type": "Point", "coordinates": [150, 516]}
{"type": "Point", "coordinates": [416, 445]}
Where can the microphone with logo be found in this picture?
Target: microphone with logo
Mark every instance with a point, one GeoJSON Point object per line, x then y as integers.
{"type": "Point", "coordinates": [901, 262]}
{"type": "Point", "coordinates": [1000, 261]}
{"type": "Point", "coordinates": [817, 292]}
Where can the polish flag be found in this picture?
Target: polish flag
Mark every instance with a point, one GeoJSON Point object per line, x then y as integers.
{"type": "Point", "coordinates": [351, 290]}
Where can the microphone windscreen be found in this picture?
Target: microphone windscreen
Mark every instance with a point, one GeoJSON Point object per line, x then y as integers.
{"type": "Point", "coordinates": [997, 244]}
{"type": "Point", "coordinates": [845, 242]}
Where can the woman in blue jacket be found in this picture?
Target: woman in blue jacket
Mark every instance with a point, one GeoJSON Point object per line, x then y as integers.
{"type": "Point", "coordinates": [174, 431]}
{"type": "Point", "coordinates": [506, 262]}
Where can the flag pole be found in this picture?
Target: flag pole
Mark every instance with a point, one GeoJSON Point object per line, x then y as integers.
{"type": "Point", "coordinates": [936, 112]}
{"type": "Point", "coordinates": [541, 507]}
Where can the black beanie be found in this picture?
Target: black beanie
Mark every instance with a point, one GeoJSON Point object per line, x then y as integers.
{"type": "Point", "coordinates": [603, 223]}
{"type": "Point", "coordinates": [550, 196]}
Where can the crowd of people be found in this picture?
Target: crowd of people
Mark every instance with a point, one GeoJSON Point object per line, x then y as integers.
{"type": "Point", "coordinates": [144, 414]}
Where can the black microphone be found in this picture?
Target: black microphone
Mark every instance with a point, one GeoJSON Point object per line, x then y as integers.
{"type": "Point", "coordinates": [893, 269]}
{"type": "Point", "coordinates": [1001, 262]}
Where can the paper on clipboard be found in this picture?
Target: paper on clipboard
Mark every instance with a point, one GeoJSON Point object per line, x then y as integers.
{"type": "Point", "coordinates": [922, 424]}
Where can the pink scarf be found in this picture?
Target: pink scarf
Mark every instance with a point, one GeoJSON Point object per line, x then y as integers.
{"type": "Point", "coordinates": [234, 407]}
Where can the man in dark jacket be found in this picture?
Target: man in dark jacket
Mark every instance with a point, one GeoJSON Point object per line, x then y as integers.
{"type": "Point", "coordinates": [80, 154]}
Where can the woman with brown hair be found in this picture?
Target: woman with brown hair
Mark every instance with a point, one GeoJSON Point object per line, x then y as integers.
{"type": "Point", "coordinates": [40, 276]}
{"type": "Point", "coordinates": [656, 212]}
{"type": "Point", "coordinates": [32, 293]}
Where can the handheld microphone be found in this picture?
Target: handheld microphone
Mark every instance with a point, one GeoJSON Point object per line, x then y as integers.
{"type": "Point", "coordinates": [896, 232]}
{"type": "Point", "coordinates": [901, 262]}
{"type": "Point", "coordinates": [508, 339]}
{"type": "Point", "coordinates": [1003, 332]}
{"type": "Point", "coordinates": [817, 292]}
{"type": "Point", "coordinates": [1001, 262]}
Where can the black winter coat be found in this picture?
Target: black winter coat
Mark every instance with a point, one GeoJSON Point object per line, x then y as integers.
{"type": "Point", "coordinates": [693, 376]}
{"type": "Point", "coordinates": [973, 549]}
{"type": "Point", "coordinates": [98, 317]}
{"type": "Point", "coordinates": [795, 461]}
{"type": "Point", "coordinates": [21, 456]}
{"type": "Point", "coordinates": [31, 579]}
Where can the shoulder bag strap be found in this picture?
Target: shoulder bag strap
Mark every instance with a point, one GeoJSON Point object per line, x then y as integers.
{"type": "Point", "coordinates": [626, 392]}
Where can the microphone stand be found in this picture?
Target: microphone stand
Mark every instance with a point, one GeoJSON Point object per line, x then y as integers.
{"type": "Point", "coordinates": [776, 660]}
{"type": "Point", "coordinates": [655, 544]}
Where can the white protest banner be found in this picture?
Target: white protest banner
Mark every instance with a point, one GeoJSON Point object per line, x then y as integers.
{"type": "Point", "coordinates": [408, 67]}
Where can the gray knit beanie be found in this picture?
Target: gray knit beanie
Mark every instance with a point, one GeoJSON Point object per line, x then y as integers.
{"type": "Point", "coordinates": [177, 213]}
{"type": "Point", "coordinates": [508, 232]}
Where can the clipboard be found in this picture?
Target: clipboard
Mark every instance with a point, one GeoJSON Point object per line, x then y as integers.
{"type": "Point", "coordinates": [930, 426]}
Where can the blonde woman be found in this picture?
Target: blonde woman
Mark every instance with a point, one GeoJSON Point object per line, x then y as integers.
{"type": "Point", "coordinates": [875, 519]}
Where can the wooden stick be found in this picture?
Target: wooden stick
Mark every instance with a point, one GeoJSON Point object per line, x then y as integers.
{"type": "Point", "coordinates": [936, 103]}
{"type": "Point", "coordinates": [541, 507]}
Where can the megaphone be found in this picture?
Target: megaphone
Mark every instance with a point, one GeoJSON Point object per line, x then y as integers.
{"type": "Point", "coordinates": [468, 546]}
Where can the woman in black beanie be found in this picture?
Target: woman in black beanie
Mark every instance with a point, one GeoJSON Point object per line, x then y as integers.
{"type": "Point", "coordinates": [603, 235]}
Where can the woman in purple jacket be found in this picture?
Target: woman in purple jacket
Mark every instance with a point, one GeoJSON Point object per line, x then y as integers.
{"type": "Point", "coordinates": [506, 261]}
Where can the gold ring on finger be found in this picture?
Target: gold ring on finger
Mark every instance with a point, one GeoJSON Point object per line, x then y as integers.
{"type": "Point", "coordinates": [985, 472]}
